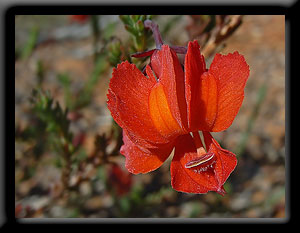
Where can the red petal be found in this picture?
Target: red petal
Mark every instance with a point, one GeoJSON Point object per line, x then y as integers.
{"type": "Point", "coordinates": [194, 67]}
{"type": "Point", "coordinates": [226, 161]}
{"type": "Point", "coordinates": [121, 180]}
{"type": "Point", "coordinates": [166, 65]}
{"type": "Point", "coordinates": [221, 191]}
{"type": "Point", "coordinates": [161, 113]}
{"type": "Point", "coordinates": [128, 101]}
{"type": "Point", "coordinates": [139, 161]}
{"type": "Point", "coordinates": [231, 73]}
{"type": "Point", "coordinates": [207, 104]}
{"type": "Point", "coordinates": [190, 180]}
{"type": "Point", "coordinates": [215, 98]}
{"type": "Point", "coordinates": [156, 62]}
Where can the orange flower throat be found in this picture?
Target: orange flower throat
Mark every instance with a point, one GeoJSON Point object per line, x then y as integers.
{"type": "Point", "coordinates": [160, 113]}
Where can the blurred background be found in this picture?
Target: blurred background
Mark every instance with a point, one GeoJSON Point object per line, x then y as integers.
{"type": "Point", "coordinates": [67, 160]}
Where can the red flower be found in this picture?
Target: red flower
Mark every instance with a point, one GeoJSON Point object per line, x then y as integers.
{"type": "Point", "coordinates": [120, 180]}
{"type": "Point", "coordinates": [159, 111]}
{"type": "Point", "coordinates": [79, 18]}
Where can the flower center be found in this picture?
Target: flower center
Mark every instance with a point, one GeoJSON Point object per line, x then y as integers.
{"type": "Point", "coordinates": [161, 114]}
{"type": "Point", "coordinates": [203, 157]}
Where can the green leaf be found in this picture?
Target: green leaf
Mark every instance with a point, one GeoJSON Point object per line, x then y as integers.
{"type": "Point", "coordinates": [31, 43]}
{"type": "Point", "coordinates": [132, 30]}
{"type": "Point", "coordinates": [134, 18]}
{"type": "Point", "coordinates": [140, 25]}
{"type": "Point", "coordinates": [109, 30]}
{"type": "Point", "coordinates": [124, 204]}
{"type": "Point", "coordinates": [125, 19]}
{"type": "Point", "coordinates": [65, 81]}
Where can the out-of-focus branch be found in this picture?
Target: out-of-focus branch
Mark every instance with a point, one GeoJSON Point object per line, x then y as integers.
{"type": "Point", "coordinates": [224, 28]}
{"type": "Point", "coordinates": [211, 31]}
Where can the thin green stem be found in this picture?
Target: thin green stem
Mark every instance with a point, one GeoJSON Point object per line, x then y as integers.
{"type": "Point", "coordinates": [96, 34]}
{"type": "Point", "coordinates": [243, 142]}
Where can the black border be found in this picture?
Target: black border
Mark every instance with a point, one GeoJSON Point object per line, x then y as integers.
{"type": "Point", "coordinates": [145, 9]}
{"type": "Point", "coordinates": [64, 9]}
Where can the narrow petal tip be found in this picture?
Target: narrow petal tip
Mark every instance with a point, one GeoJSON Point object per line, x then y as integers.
{"type": "Point", "coordinates": [221, 191]}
